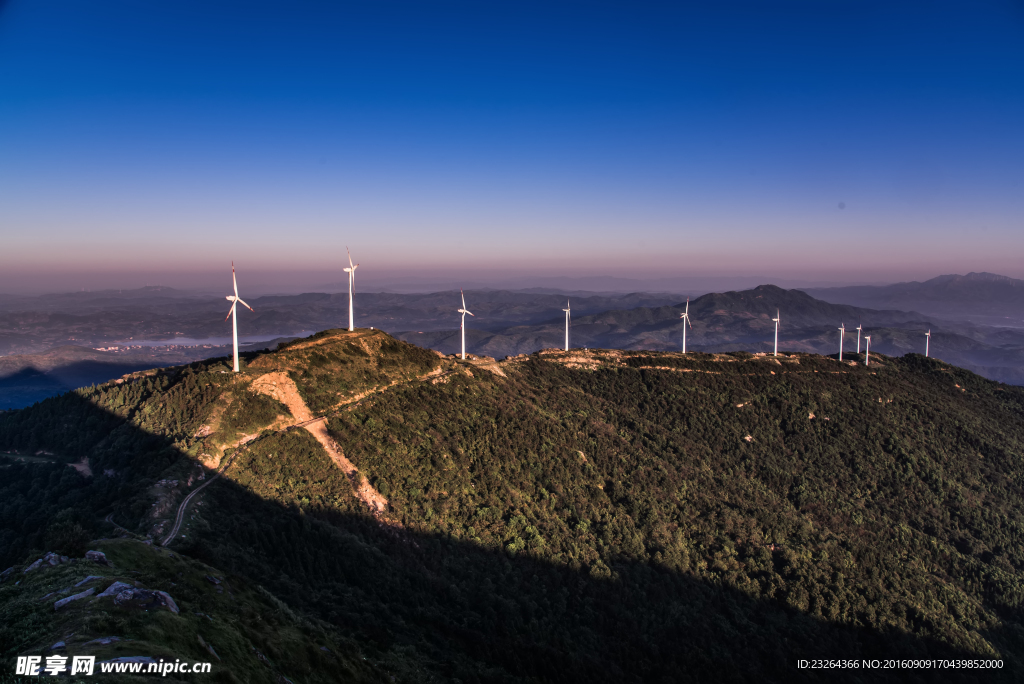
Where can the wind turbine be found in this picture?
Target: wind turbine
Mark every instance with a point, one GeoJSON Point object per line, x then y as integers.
{"type": "Point", "coordinates": [568, 315]}
{"type": "Point", "coordinates": [686, 321]}
{"type": "Point", "coordinates": [842, 334]}
{"type": "Point", "coordinates": [235, 301]}
{"type": "Point", "coordinates": [776, 319]}
{"type": "Point", "coordinates": [867, 349]}
{"type": "Point", "coordinates": [351, 270]}
{"type": "Point", "coordinates": [859, 328]}
{"type": "Point", "coordinates": [927, 339]}
{"type": "Point", "coordinates": [464, 311]}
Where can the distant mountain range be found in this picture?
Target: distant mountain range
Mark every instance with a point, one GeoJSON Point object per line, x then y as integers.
{"type": "Point", "coordinates": [978, 297]}
{"type": "Point", "coordinates": [30, 325]}
{"type": "Point", "coordinates": [51, 340]}
{"type": "Point", "coordinates": [742, 321]}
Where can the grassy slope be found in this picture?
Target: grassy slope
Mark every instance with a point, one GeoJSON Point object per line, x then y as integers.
{"type": "Point", "coordinates": [256, 637]}
{"type": "Point", "coordinates": [611, 521]}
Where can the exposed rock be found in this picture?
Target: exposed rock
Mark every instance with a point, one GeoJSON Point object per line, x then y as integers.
{"type": "Point", "coordinates": [50, 559]}
{"type": "Point", "coordinates": [88, 579]}
{"type": "Point", "coordinates": [115, 589]}
{"type": "Point", "coordinates": [97, 557]}
{"type": "Point", "coordinates": [54, 593]}
{"type": "Point", "coordinates": [145, 599]}
{"type": "Point", "coordinates": [207, 646]}
{"type": "Point", "coordinates": [59, 644]}
{"type": "Point", "coordinates": [6, 573]}
{"type": "Point", "coordinates": [103, 641]}
{"type": "Point", "coordinates": [212, 580]}
{"type": "Point", "coordinates": [169, 602]}
{"type": "Point", "coordinates": [57, 605]}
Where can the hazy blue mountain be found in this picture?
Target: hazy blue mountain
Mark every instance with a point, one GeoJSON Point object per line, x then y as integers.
{"type": "Point", "coordinates": [979, 297]}
{"type": "Point", "coordinates": [732, 321]}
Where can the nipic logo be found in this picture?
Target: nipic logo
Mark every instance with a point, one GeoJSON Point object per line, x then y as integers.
{"type": "Point", "coordinates": [55, 665]}
{"type": "Point", "coordinates": [84, 665]}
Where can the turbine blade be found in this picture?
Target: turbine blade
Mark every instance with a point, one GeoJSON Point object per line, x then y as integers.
{"type": "Point", "coordinates": [349, 256]}
{"type": "Point", "coordinates": [231, 311]}
{"type": "Point", "coordinates": [463, 298]}
{"type": "Point", "coordinates": [244, 304]}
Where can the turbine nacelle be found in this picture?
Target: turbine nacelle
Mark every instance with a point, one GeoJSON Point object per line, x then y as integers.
{"type": "Point", "coordinates": [685, 316]}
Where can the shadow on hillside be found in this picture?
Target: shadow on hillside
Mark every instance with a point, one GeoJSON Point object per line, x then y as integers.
{"type": "Point", "coordinates": [474, 614]}
{"type": "Point", "coordinates": [29, 385]}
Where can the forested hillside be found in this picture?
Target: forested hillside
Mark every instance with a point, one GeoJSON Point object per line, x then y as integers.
{"type": "Point", "coordinates": [582, 516]}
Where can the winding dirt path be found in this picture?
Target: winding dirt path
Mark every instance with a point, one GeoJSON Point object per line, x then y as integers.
{"type": "Point", "coordinates": [279, 386]}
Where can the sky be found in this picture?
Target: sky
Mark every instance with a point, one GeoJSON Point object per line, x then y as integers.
{"type": "Point", "coordinates": [827, 142]}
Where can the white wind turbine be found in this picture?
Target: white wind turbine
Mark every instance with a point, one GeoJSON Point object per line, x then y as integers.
{"type": "Point", "coordinates": [568, 315]}
{"type": "Point", "coordinates": [776, 319]}
{"type": "Point", "coordinates": [842, 335]}
{"type": "Point", "coordinates": [686, 322]}
{"type": "Point", "coordinates": [235, 301]}
{"type": "Point", "coordinates": [464, 311]}
{"type": "Point", "coordinates": [351, 270]}
{"type": "Point", "coordinates": [859, 328]}
{"type": "Point", "coordinates": [867, 350]}
{"type": "Point", "coordinates": [927, 340]}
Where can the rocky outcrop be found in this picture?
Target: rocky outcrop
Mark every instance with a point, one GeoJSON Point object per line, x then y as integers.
{"type": "Point", "coordinates": [88, 579]}
{"type": "Point", "coordinates": [57, 605]}
{"type": "Point", "coordinates": [145, 599]}
{"type": "Point", "coordinates": [48, 560]}
{"type": "Point", "coordinates": [97, 557]}
{"type": "Point", "coordinates": [115, 588]}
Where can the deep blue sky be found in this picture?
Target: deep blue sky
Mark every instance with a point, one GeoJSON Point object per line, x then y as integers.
{"type": "Point", "coordinates": [837, 141]}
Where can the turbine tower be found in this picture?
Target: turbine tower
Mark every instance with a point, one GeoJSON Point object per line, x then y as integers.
{"type": "Point", "coordinates": [927, 340]}
{"type": "Point", "coordinates": [867, 350]}
{"type": "Point", "coordinates": [464, 311]}
{"type": "Point", "coordinates": [776, 319]}
{"type": "Point", "coordinates": [351, 270]}
{"type": "Point", "coordinates": [235, 301]}
{"type": "Point", "coordinates": [568, 315]}
{"type": "Point", "coordinates": [686, 321]}
{"type": "Point", "coordinates": [859, 328]}
{"type": "Point", "coordinates": [842, 334]}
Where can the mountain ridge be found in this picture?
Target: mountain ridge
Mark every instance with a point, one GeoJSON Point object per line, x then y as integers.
{"type": "Point", "coordinates": [558, 517]}
{"type": "Point", "coordinates": [980, 297]}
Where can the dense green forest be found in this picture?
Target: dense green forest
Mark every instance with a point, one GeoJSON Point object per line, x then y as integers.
{"type": "Point", "coordinates": [598, 516]}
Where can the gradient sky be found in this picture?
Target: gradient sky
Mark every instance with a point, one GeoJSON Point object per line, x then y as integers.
{"type": "Point", "coordinates": [825, 140]}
